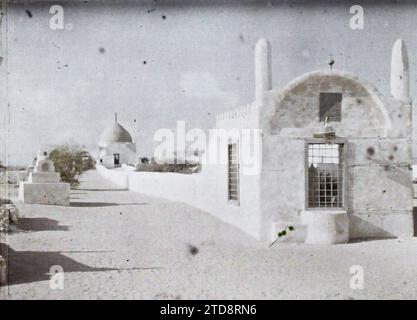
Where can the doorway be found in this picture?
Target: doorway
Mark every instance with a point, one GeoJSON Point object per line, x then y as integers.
{"type": "Point", "coordinates": [116, 159]}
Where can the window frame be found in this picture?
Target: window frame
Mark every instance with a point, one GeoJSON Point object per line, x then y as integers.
{"type": "Point", "coordinates": [229, 200]}
{"type": "Point", "coordinates": [336, 140]}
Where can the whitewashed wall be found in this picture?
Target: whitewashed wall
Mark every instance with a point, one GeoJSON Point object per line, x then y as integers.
{"type": "Point", "coordinates": [206, 190]}
{"type": "Point", "coordinates": [119, 177]}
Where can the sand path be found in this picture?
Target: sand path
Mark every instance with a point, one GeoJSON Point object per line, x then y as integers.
{"type": "Point", "coordinates": [116, 244]}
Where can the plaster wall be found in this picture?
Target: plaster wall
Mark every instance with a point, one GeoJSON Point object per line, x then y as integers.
{"type": "Point", "coordinates": [127, 152]}
{"type": "Point", "coordinates": [378, 155]}
{"type": "Point", "coordinates": [44, 193]}
{"type": "Point", "coordinates": [118, 176]}
{"type": "Point", "coordinates": [39, 177]}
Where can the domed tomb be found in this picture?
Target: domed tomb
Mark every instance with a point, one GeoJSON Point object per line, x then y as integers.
{"type": "Point", "coordinates": [116, 146]}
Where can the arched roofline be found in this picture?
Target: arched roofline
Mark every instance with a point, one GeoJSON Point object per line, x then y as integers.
{"type": "Point", "coordinates": [368, 87]}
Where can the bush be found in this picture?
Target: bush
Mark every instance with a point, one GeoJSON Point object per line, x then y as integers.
{"type": "Point", "coordinates": [153, 166]}
{"type": "Point", "coordinates": [71, 162]}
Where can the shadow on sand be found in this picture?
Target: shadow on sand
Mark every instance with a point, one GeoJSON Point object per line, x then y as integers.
{"type": "Point", "coordinates": [32, 266]}
{"type": "Point", "coordinates": [105, 204]}
{"type": "Point", "coordinates": [40, 224]}
{"type": "Point", "coordinates": [359, 240]}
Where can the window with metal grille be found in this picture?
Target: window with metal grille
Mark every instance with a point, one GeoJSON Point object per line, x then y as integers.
{"type": "Point", "coordinates": [233, 172]}
{"type": "Point", "coordinates": [325, 175]}
{"type": "Point", "coordinates": [330, 106]}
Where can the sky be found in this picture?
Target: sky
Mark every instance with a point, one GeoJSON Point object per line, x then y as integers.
{"type": "Point", "coordinates": [156, 62]}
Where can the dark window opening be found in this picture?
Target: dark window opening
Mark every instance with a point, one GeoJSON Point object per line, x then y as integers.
{"type": "Point", "coordinates": [116, 159]}
{"type": "Point", "coordinates": [330, 106]}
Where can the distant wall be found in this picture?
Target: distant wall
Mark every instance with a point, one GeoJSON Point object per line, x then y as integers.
{"type": "Point", "coordinates": [12, 177]}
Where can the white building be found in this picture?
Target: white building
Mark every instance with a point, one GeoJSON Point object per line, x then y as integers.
{"type": "Point", "coordinates": [116, 147]}
{"type": "Point", "coordinates": [350, 181]}
{"type": "Point", "coordinates": [334, 159]}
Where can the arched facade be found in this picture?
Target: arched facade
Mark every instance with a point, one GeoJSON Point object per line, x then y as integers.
{"type": "Point", "coordinates": [361, 110]}
{"type": "Point", "coordinates": [335, 153]}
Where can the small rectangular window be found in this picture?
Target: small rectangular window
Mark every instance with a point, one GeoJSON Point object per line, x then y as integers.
{"type": "Point", "coordinates": [116, 159]}
{"type": "Point", "coordinates": [233, 172]}
{"type": "Point", "coordinates": [325, 175]}
{"type": "Point", "coordinates": [330, 106]}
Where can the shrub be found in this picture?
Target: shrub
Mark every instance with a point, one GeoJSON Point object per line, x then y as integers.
{"type": "Point", "coordinates": [153, 166]}
{"type": "Point", "coordinates": [71, 162]}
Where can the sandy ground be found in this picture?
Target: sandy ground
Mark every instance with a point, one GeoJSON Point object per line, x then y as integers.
{"type": "Point", "coordinates": [115, 244]}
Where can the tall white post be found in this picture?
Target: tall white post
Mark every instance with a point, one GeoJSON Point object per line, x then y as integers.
{"type": "Point", "coordinates": [263, 74]}
{"type": "Point", "coordinates": [400, 79]}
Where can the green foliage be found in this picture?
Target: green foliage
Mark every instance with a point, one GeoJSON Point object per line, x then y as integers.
{"type": "Point", "coordinates": [71, 162]}
{"type": "Point", "coordinates": [283, 233]}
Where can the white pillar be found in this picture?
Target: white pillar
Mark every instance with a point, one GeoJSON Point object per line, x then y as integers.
{"type": "Point", "coordinates": [263, 75]}
{"type": "Point", "coordinates": [400, 79]}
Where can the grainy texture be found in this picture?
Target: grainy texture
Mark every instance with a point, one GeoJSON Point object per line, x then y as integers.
{"type": "Point", "coordinates": [104, 239]}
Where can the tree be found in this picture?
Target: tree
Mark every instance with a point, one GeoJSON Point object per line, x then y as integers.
{"type": "Point", "coordinates": [71, 162]}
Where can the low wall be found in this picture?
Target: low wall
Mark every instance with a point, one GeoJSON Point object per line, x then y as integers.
{"type": "Point", "coordinates": [205, 190]}
{"type": "Point", "coordinates": [117, 176]}
{"type": "Point", "coordinates": [12, 177]}
{"type": "Point", "coordinates": [171, 186]}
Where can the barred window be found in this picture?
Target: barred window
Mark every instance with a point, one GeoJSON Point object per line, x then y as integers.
{"type": "Point", "coordinates": [233, 172]}
{"type": "Point", "coordinates": [325, 175]}
{"type": "Point", "coordinates": [330, 106]}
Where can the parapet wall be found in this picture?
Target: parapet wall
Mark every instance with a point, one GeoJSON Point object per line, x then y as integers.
{"type": "Point", "coordinates": [237, 113]}
{"type": "Point", "coordinates": [117, 176]}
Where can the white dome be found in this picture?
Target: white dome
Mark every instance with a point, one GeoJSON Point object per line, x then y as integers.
{"type": "Point", "coordinates": [116, 133]}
